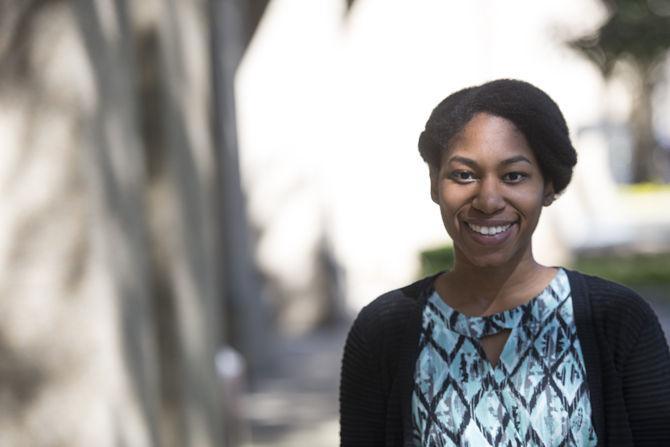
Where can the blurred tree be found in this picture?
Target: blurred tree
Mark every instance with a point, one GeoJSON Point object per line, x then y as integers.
{"type": "Point", "coordinates": [638, 32]}
{"type": "Point", "coordinates": [110, 289]}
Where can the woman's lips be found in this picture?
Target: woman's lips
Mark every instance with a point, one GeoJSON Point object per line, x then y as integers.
{"type": "Point", "coordinates": [490, 234]}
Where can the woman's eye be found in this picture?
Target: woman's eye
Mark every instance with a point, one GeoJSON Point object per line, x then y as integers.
{"type": "Point", "coordinates": [514, 177]}
{"type": "Point", "coordinates": [463, 176]}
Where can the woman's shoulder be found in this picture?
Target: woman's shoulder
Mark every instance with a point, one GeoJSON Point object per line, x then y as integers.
{"type": "Point", "coordinates": [390, 310]}
{"type": "Point", "coordinates": [408, 295]}
{"type": "Point", "coordinates": [609, 299]}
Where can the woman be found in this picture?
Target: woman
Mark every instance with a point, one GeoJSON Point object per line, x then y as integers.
{"type": "Point", "coordinates": [501, 350]}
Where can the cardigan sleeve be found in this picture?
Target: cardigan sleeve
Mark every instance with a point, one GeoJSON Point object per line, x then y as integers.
{"type": "Point", "coordinates": [362, 406]}
{"type": "Point", "coordinates": [646, 385]}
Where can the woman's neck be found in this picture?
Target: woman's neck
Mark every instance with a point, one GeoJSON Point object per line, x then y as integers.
{"type": "Point", "coordinates": [475, 290]}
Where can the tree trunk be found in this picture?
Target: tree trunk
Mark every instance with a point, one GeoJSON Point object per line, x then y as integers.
{"type": "Point", "coordinates": [644, 141]}
{"type": "Point", "coordinates": [109, 293]}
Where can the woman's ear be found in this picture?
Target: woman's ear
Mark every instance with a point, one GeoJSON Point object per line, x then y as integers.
{"type": "Point", "coordinates": [549, 194]}
{"type": "Point", "coordinates": [433, 172]}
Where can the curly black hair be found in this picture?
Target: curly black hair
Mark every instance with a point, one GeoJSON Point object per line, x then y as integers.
{"type": "Point", "coordinates": [531, 110]}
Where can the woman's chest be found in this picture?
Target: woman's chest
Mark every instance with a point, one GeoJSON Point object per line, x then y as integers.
{"type": "Point", "coordinates": [536, 392]}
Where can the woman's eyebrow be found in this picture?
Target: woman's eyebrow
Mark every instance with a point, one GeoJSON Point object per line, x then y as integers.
{"type": "Point", "coordinates": [515, 159]}
{"type": "Point", "coordinates": [466, 161]}
{"type": "Point", "coordinates": [470, 162]}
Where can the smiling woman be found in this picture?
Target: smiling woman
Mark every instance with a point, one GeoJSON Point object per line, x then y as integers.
{"type": "Point", "coordinates": [501, 350]}
{"type": "Point", "coordinates": [490, 190]}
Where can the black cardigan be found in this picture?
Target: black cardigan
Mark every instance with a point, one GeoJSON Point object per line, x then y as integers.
{"type": "Point", "coordinates": [625, 353]}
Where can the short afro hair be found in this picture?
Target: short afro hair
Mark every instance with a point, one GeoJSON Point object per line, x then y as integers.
{"type": "Point", "coordinates": [531, 110]}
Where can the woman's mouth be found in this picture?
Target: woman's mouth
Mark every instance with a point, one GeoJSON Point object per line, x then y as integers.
{"type": "Point", "coordinates": [491, 234]}
{"type": "Point", "coordinates": [489, 231]}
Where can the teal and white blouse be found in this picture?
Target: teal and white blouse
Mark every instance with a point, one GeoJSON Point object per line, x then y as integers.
{"type": "Point", "coordinates": [536, 395]}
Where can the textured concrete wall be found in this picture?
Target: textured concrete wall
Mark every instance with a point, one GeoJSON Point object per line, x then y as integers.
{"type": "Point", "coordinates": [109, 316]}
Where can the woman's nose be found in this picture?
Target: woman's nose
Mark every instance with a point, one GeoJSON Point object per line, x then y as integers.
{"type": "Point", "coordinates": [488, 198]}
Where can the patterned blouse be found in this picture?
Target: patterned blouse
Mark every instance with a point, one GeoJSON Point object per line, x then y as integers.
{"type": "Point", "coordinates": [537, 393]}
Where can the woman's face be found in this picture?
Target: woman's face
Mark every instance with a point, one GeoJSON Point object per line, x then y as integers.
{"type": "Point", "coordinates": [490, 191]}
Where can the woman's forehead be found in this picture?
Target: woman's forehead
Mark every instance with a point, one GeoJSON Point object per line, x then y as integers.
{"type": "Point", "coordinates": [487, 138]}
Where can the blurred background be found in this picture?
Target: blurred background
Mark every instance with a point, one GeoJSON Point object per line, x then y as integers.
{"type": "Point", "coordinates": [199, 195]}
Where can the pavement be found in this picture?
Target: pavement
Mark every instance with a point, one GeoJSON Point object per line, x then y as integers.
{"type": "Point", "coordinates": [295, 402]}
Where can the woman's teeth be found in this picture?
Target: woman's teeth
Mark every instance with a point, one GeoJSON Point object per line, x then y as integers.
{"type": "Point", "coordinates": [489, 231]}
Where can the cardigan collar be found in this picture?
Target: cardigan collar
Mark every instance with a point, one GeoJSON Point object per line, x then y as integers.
{"type": "Point", "coordinates": [409, 350]}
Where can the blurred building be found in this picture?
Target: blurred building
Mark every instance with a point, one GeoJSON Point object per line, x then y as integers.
{"type": "Point", "coordinates": [332, 96]}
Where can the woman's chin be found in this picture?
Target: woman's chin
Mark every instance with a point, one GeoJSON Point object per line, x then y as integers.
{"type": "Point", "coordinates": [494, 259]}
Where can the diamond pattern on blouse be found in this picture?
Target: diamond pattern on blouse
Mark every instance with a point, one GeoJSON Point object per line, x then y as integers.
{"type": "Point", "coordinates": [537, 393]}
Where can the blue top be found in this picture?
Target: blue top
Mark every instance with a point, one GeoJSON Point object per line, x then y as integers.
{"type": "Point", "coordinates": [537, 394]}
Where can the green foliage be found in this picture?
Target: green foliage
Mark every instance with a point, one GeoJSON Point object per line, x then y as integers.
{"type": "Point", "coordinates": [646, 188]}
{"type": "Point", "coordinates": [631, 270]}
{"type": "Point", "coordinates": [637, 29]}
{"type": "Point", "coordinates": [436, 260]}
